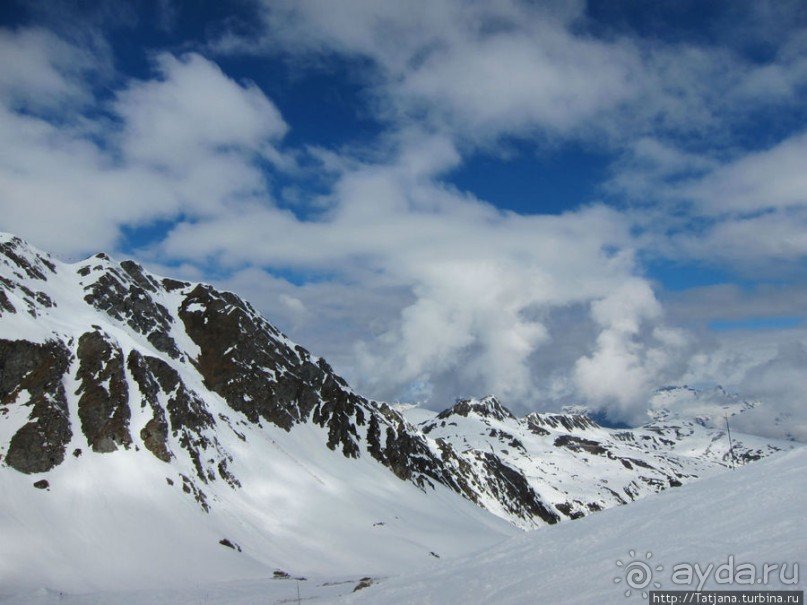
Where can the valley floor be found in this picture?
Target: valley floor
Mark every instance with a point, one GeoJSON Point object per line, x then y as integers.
{"type": "Point", "coordinates": [738, 520]}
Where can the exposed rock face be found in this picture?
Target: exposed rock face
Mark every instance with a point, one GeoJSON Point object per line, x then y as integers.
{"type": "Point", "coordinates": [5, 303]}
{"type": "Point", "coordinates": [21, 264]}
{"type": "Point", "coordinates": [155, 433]}
{"type": "Point", "coordinates": [24, 261]}
{"type": "Point", "coordinates": [568, 422]}
{"type": "Point", "coordinates": [103, 406]}
{"type": "Point", "coordinates": [36, 370]}
{"type": "Point", "coordinates": [511, 487]}
{"type": "Point", "coordinates": [580, 444]}
{"type": "Point", "coordinates": [488, 406]}
{"type": "Point", "coordinates": [124, 295]}
{"type": "Point", "coordinates": [243, 360]}
{"type": "Point", "coordinates": [258, 372]}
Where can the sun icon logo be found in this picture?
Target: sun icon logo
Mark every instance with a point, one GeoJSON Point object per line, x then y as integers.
{"type": "Point", "coordinates": [638, 573]}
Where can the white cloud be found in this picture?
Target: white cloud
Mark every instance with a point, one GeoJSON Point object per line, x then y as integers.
{"type": "Point", "coordinates": [186, 142]}
{"type": "Point", "coordinates": [647, 166]}
{"type": "Point", "coordinates": [771, 179]}
{"type": "Point", "coordinates": [748, 214]}
{"type": "Point", "coordinates": [463, 305]}
{"type": "Point", "coordinates": [780, 379]}
{"type": "Point", "coordinates": [53, 178]}
{"type": "Point", "coordinates": [626, 307]}
{"type": "Point", "coordinates": [41, 71]}
{"type": "Point", "coordinates": [421, 288]}
{"type": "Point", "coordinates": [193, 110]}
{"type": "Point", "coordinates": [627, 364]}
{"type": "Point", "coordinates": [775, 237]}
{"type": "Point", "coordinates": [477, 70]}
{"type": "Point", "coordinates": [761, 365]}
{"type": "Point", "coordinates": [478, 280]}
{"type": "Point", "coordinates": [481, 71]}
{"type": "Point", "coordinates": [515, 82]}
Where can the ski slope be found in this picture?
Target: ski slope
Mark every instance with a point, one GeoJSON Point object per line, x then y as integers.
{"type": "Point", "coordinates": [755, 514]}
{"type": "Point", "coordinates": [115, 522]}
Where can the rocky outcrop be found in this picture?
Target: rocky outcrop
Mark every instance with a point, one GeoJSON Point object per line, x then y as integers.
{"type": "Point", "coordinates": [259, 373]}
{"type": "Point", "coordinates": [488, 407]}
{"type": "Point", "coordinates": [513, 491]}
{"type": "Point", "coordinates": [103, 406]}
{"type": "Point", "coordinates": [155, 433]}
{"type": "Point", "coordinates": [124, 296]}
{"type": "Point", "coordinates": [568, 422]}
{"type": "Point", "coordinates": [31, 375]}
{"type": "Point", "coordinates": [579, 444]}
{"type": "Point", "coordinates": [243, 359]}
{"type": "Point", "coordinates": [24, 261]}
{"type": "Point", "coordinates": [5, 303]}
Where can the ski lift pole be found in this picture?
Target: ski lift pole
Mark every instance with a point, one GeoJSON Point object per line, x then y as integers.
{"type": "Point", "coordinates": [731, 444]}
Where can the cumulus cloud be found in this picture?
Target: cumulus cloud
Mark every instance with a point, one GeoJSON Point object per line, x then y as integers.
{"type": "Point", "coordinates": [763, 366]}
{"type": "Point", "coordinates": [779, 379]}
{"type": "Point", "coordinates": [520, 81]}
{"type": "Point", "coordinates": [187, 142]}
{"type": "Point", "coordinates": [772, 179]}
{"type": "Point", "coordinates": [463, 306]}
{"type": "Point", "coordinates": [626, 365]}
{"type": "Point", "coordinates": [193, 109]}
{"type": "Point", "coordinates": [741, 213]}
{"type": "Point", "coordinates": [41, 71]}
{"type": "Point", "coordinates": [483, 71]}
{"type": "Point", "coordinates": [476, 69]}
{"type": "Point", "coordinates": [478, 281]}
{"type": "Point", "coordinates": [409, 285]}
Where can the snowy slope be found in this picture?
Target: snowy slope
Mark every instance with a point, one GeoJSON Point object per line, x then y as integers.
{"type": "Point", "coordinates": [116, 523]}
{"type": "Point", "coordinates": [577, 467]}
{"type": "Point", "coordinates": [166, 417]}
{"type": "Point", "coordinates": [755, 513]}
{"type": "Point", "coordinates": [162, 433]}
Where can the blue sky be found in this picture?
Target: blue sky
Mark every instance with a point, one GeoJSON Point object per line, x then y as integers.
{"type": "Point", "coordinates": [559, 202]}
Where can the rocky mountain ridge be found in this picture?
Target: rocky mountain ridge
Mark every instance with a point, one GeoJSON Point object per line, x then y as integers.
{"type": "Point", "coordinates": [99, 357]}
{"type": "Point", "coordinates": [127, 340]}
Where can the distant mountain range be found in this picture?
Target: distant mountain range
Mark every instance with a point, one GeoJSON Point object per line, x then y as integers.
{"type": "Point", "coordinates": [144, 418]}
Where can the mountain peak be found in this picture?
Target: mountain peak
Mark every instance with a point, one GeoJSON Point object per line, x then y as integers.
{"type": "Point", "coordinates": [487, 407]}
{"type": "Point", "coordinates": [706, 405]}
{"type": "Point", "coordinates": [23, 260]}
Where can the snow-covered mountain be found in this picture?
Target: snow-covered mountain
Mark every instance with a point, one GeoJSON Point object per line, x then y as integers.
{"type": "Point", "coordinates": [154, 431]}
{"type": "Point", "coordinates": [717, 408]}
{"type": "Point", "coordinates": [570, 466]}
{"type": "Point", "coordinates": [708, 406]}
{"type": "Point", "coordinates": [161, 432]}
